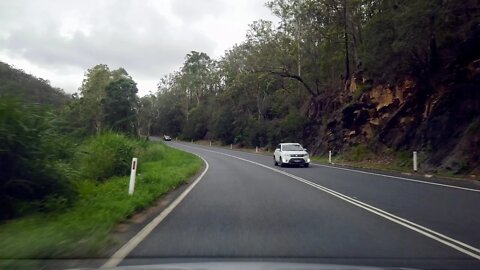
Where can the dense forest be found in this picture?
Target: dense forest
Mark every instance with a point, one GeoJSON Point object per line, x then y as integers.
{"type": "Point", "coordinates": [386, 76]}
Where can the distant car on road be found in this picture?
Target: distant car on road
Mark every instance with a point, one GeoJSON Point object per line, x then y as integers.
{"type": "Point", "coordinates": [291, 154]}
{"type": "Point", "coordinates": [167, 138]}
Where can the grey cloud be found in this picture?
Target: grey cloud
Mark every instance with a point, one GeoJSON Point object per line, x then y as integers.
{"type": "Point", "coordinates": [194, 9]}
{"type": "Point", "coordinates": [123, 34]}
{"type": "Point", "coordinates": [137, 35]}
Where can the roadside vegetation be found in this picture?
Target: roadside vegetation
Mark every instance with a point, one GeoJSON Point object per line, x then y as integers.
{"type": "Point", "coordinates": [362, 157]}
{"type": "Point", "coordinates": [65, 165]}
{"type": "Point", "coordinates": [45, 148]}
{"type": "Point", "coordinates": [83, 229]}
{"type": "Point", "coordinates": [397, 161]}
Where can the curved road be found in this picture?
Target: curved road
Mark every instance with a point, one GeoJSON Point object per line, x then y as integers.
{"type": "Point", "coordinates": [244, 208]}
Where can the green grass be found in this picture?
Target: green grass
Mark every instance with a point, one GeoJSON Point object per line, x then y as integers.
{"type": "Point", "coordinates": [83, 229]}
{"type": "Point", "coordinates": [390, 161]}
{"type": "Point", "coordinates": [358, 153]}
{"type": "Point", "coordinates": [361, 157]}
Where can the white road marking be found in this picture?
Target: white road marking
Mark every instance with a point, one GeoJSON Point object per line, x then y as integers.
{"type": "Point", "coordinates": [455, 244]}
{"type": "Point", "coordinates": [398, 177]}
{"type": "Point", "coordinates": [379, 174]}
{"type": "Point", "coordinates": [118, 256]}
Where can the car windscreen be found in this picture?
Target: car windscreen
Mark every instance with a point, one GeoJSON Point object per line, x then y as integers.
{"type": "Point", "coordinates": [293, 147]}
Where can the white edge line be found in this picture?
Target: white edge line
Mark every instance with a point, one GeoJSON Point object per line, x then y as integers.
{"type": "Point", "coordinates": [120, 254]}
{"type": "Point", "coordinates": [398, 177]}
{"type": "Point", "coordinates": [403, 222]}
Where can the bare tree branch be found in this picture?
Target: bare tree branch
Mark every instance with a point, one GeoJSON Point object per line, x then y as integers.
{"type": "Point", "coordinates": [285, 74]}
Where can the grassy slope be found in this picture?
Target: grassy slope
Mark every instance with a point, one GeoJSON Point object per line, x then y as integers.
{"type": "Point", "coordinates": [83, 230]}
{"type": "Point", "coordinates": [401, 162]}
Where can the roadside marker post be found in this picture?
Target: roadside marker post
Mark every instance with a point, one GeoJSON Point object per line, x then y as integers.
{"type": "Point", "coordinates": [131, 186]}
{"type": "Point", "coordinates": [415, 165]}
{"type": "Point", "coordinates": [210, 143]}
{"type": "Point", "coordinates": [256, 149]}
{"type": "Point", "coordinates": [330, 156]}
{"type": "Point", "coordinates": [231, 146]}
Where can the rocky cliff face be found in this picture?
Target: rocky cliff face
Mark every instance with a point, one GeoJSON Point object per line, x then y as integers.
{"type": "Point", "coordinates": [438, 116]}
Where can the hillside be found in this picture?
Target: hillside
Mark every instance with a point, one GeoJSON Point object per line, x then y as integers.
{"type": "Point", "coordinates": [439, 117]}
{"type": "Point", "coordinates": [18, 83]}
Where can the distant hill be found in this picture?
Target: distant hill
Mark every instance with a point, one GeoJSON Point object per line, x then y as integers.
{"type": "Point", "coordinates": [16, 82]}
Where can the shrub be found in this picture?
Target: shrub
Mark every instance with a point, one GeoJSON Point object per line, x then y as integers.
{"type": "Point", "coordinates": [107, 155]}
{"type": "Point", "coordinates": [30, 168]}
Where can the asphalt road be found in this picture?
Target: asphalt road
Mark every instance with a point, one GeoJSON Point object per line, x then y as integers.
{"type": "Point", "coordinates": [244, 208]}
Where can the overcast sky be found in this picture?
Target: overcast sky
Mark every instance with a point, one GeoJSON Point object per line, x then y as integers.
{"type": "Point", "coordinates": [60, 40]}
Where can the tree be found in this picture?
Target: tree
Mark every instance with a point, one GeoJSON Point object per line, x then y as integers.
{"type": "Point", "coordinates": [87, 109]}
{"type": "Point", "coordinates": [147, 113]}
{"type": "Point", "coordinates": [93, 92]}
{"type": "Point", "coordinates": [394, 45]}
{"type": "Point", "coordinates": [120, 105]}
{"type": "Point", "coordinates": [195, 71]}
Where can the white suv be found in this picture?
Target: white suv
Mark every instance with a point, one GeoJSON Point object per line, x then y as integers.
{"type": "Point", "coordinates": [290, 153]}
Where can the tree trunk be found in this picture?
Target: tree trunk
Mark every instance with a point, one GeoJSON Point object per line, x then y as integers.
{"type": "Point", "coordinates": [149, 126]}
{"type": "Point", "coordinates": [187, 103]}
{"type": "Point", "coordinates": [347, 58]}
{"type": "Point", "coordinates": [434, 59]}
{"type": "Point", "coordinates": [98, 126]}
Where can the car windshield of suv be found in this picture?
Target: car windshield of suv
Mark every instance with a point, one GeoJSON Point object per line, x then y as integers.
{"type": "Point", "coordinates": [293, 147]}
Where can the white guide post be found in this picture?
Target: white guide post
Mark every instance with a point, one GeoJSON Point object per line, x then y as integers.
{"type": "Point", "coordinates": [131, 186]}
{"type": "Point", "coordinates": [415, 165]}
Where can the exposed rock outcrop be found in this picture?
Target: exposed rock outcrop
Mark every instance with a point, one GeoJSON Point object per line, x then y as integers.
{"type": "Point", "coordinates": [441, 119]}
